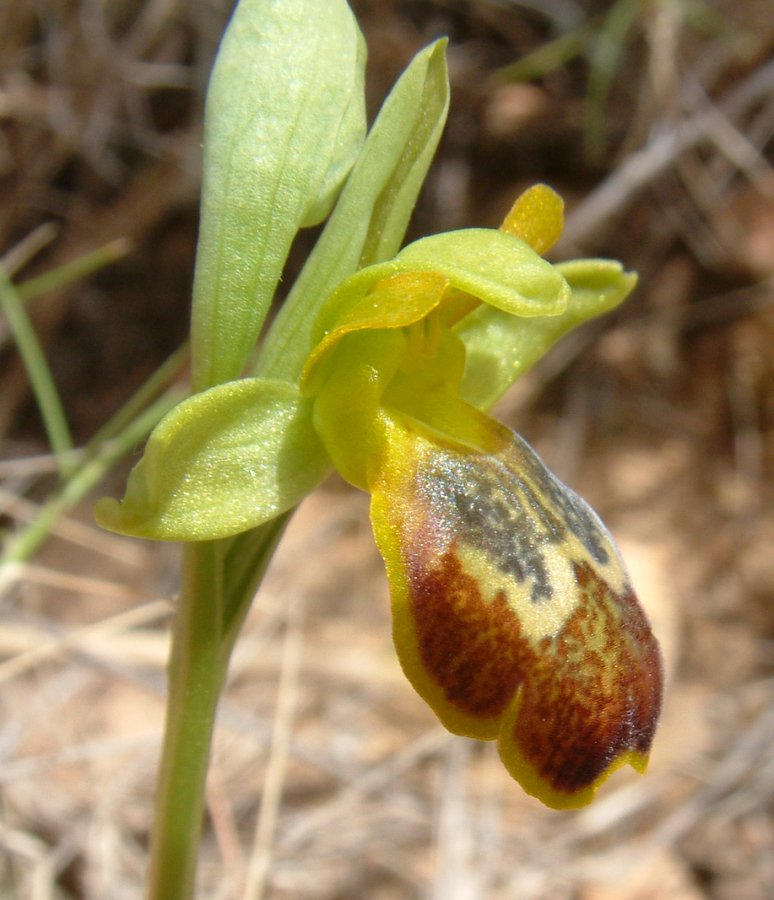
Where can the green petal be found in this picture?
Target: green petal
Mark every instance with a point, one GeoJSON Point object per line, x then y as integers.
{"type": "Point", "coordinates": [347, 405]}
{"type": "Point", "coordinates": [500, 347]}
{"type": "Point", "coordinates": [221, 462]}
{"type": "Point", "coordinates": [394, 302]}
{"type": "Point", "coordinates": [284, 123]}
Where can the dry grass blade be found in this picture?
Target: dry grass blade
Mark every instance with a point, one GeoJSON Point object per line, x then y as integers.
{"type": "Point", "coordinates": [276, 767]}
{"type": "Point", "coordinates": [94, 638]}
{"type": "Point", "coordinates": [638, 170]}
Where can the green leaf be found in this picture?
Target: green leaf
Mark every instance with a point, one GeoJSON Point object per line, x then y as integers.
{"type": "Point", "coordinates": [220, 462]}
{"type": "Point", "coordinates": [501, 347]}
{"type": "Point", "coordinates": [284, 123]}
{"type": "Point", "coordinates": [373, 210]}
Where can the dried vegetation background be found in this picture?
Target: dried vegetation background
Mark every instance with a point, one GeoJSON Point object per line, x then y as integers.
{"type": "Point", "coordinates": [330, 778]}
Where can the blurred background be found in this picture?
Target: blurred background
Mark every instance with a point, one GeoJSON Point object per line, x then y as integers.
{"type": "Point", "coordinates": [330, 778]}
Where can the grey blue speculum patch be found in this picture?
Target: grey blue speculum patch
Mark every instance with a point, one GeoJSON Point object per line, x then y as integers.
{"type": "Point", "coordinates": [512, 516]}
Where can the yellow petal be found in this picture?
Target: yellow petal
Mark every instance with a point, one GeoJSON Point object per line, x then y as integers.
{"type": "Point", "coordinates": [513, 615]}
{"type": "Point", "coordinates": [537, 217]}
{"type": "Point", "coordinates": [394, 302]}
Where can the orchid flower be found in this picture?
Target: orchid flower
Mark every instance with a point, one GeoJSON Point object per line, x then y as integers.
{"type": "Point", "coordinates": [513, 615]}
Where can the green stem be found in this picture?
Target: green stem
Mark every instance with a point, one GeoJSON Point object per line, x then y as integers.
{"type": "Point", "coordinates": [196, 672]}
{"type": "Point", "coordinates": [218, 582]}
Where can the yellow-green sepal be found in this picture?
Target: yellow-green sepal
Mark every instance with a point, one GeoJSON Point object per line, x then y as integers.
{"type": "Point", "coordinates": [501, 347]}
{"type": "Point", "coordinates": [495, 267]}
{"type": "Point", "coordinates": [220, 462]}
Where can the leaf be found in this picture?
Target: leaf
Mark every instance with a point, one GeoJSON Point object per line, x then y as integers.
{"type": "Point", "coordinates": [284, 123]}
{"type": "Point", "coordinates": [371, 215]}
{"type": "Point", "coordinates": [501, 347]}
{"type": "Point", "coordinates": [220, 462]}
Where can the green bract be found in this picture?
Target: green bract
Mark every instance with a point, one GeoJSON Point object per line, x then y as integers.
{"type": "Point", "coordinates": [284, 123]}
{"type": "Point", "coordinates": [371, 215]}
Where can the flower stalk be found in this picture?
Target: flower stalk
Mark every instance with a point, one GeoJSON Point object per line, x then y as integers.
{"type": "Point", "coordinates": [196, 670]}
{"type": "Point", "coordinates": [214, 598]}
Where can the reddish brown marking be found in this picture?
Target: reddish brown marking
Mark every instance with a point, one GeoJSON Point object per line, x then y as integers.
{"type": "Point", "coordinates": [598, 710]}
{"type": "Point", "coordinates": [474, 650]}
{"type": "Point", "coordinates": [581, 710]}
